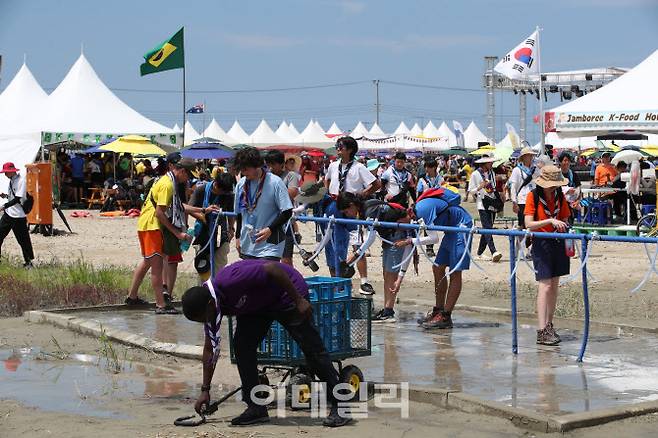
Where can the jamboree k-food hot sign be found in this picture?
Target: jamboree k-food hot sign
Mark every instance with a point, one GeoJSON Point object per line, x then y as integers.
{"type": "Point", "coordinates": [621, 120]}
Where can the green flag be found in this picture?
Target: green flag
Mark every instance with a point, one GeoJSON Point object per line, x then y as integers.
{"type": "Point", "coordinates": [166, 56]}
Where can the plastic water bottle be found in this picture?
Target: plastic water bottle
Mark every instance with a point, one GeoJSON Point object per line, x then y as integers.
{"type": "Point", "coordinates": [569, 246]}
{"type": "Point", "coordinates": [185, 244]}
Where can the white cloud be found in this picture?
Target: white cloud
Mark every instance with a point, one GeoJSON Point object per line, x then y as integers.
{"type": "Point", "coordinates": [256, 41]}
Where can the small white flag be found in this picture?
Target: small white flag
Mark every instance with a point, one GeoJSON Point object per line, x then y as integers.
{"type": "Point", "coordinates": [513, 136]}
{"type": "Point", "coordinates": [459, 133]}
{"type": "Point", "coordinates": [520, 61]}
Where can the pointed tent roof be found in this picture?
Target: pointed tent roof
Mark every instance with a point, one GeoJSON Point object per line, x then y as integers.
{"type": "Point", "coordinates": [19, 102]}
{"type": "Point", "coordinates": [285, 133]}
{"type": "Point", "coordinates": [416, 130]}
{"type": "Point", "coordinates": [635, 91]}
{"type": "Point", "coordinates": [238, 133]}
{"type": "Point", "coordinates": [176, 128]}
{"type": "Point", "coordinates": [82, 103]}
{"type": "Point", "coordinates": [376, 130]}
{"type": "Point", "coordinates": [293, 130]}
{"type": "Point", "coordinates": [402, 129]}
{"type": "Point", "coordinates": [359, 130]}
{"type": "Point", "coordinates": [334, 130]}
{"type": "Point", "coordinates": [191, 134]}
{"type": "Point", "coordinates": [312, 135]}
{"type": "Point", "coordinates": [214, 130]}
{"type": "Point", "coordinates": [430, 130]}
{"type": "Point", "coordinates": [473, 135]}
{"type": "Point", "coordinates": [447, 133]}
{"type": "Point", "coordinates": [320, 126]}
{"type": "Point", "coordinates": [263, 135]}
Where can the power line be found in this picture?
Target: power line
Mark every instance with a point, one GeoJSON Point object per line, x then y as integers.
{"type": "Point", "coordinates": [435, 87]}
{"type": "Point", "coordinates": [254, 90]}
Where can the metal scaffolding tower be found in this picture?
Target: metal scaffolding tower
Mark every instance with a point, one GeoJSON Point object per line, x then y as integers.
{"type": "Point", "coordinates": [489, 76]}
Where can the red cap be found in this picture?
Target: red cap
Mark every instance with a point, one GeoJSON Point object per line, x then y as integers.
{"type": "Point", "coordinates": [8, 167]}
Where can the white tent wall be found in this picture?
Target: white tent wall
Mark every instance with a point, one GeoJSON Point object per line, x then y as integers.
{"type": "Point", "coordinates": [334, 130]}
{"type": "Point", "coordinates": [191, 134]}
{"type": "Point", "coordinates": [294, 133]}
{"type": "Point", "coordinates": [630, 102]}
{"type": "Point", "coordinates": [359, 130]}
{"type": "Point", "coordinates": [446, 133]}
{"type": "Point", "coordinates": [473, 135]}
{"type": "Point", "coordinates": [416, 130]}
{"type": "Point", "coordinates": [264, 136]}
{"type": "Point", "coordinates": [20, 149]}
{"type": "Point", "coordinates": [21, 104]}
{"type": "Point", "coordinates": [376, 130]}
{"type": "Point", "coordinates": [402, 129]}
{"type": "Point", "coordinates": [237, 133]}
{"type": "Point", "coordinates": [430, 131]}
{"type": "Point", "coordinates": [285, 133]}
{"type": "Point", "coordinates": [214, 130]}
{"type": "Point", "coordinates": [313, 136]}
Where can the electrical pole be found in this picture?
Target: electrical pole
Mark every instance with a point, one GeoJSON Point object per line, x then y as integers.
{"type": "Point", "coordinates": [376, 82]}
{"type": "Point", "coordinates": [491, 98]}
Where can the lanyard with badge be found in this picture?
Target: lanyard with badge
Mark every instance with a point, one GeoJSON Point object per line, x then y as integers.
{"type": "Point", "coordinates": [251, 202]}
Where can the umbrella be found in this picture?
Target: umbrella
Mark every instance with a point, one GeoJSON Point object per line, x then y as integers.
{"type": "Point", "coordinates": [133, 144]}
{"type": "Point", "coordinates": [454, 151]}
{"type": "Point", "coordinates": [483, 150]}
{"type": "Point", "coordinates": [627, 156]}
{"type": "Point", "coordinates": [205, 153]}
{"type": "Point", "coordinates": [650, 150]}
{"type": "Point", "coordinates": [240, 146]}
{"type": "Point", "coordinates": [596, 153]}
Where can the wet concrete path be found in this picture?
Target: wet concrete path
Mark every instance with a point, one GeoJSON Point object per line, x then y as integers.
{"type": "Point", "coordinates": [475, 357]}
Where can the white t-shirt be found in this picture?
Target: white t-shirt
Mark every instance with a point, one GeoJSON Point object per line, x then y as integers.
{"type": "Point", "coordinates": [474, 183]}
{"type": "Point", "coordinates": [358, 177]}
{"type": "Point", "coordinates": [515, 183]}
{"type": "Point", "coordinates": [16, 188]}
{"type": "Point", "coordinates": [392, 176]}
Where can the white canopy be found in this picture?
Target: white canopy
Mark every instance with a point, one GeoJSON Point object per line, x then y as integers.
{"type": "Point", "coordinates": [446, 133]}
{"type": "Point", "coordinates": [630, 102]}
{"type": "Point", "coordinates": [402, 129]}
{"type": "Point", "coordinates": [20, 104]}
{"type": "Point", "coordinates": [574, 143]}
{"type": "Point", "coordinates": [82, 103]}
{"type": "Point", "coordinates": [334, 130]}
{"type": "Point", "coordinates": [293, 131]}
{"type": "Point", "coordinates": [214, 130]}
{"type": "Point", "coordinates": [473, 135]}
{"type": "Point", "coordinates": [313, 135]}
{"type": "Point", "coordinates": [416, 130]}
{"type": "Point", "coordinates": [430, 131]}
{"type": "Point", "coordinates": [376, 130]}
{"type": "Point", "coordinates": [320, 126]}
{"type": "Point", "coordinates": [285, 133]}
{"type": "Point", "coordinates": [191, 134]}
{"type": "Point", "coordinates": [359, 131]}
{"type": "Point", "coordinates": [236, 132]}
{"type": "Point", "coordinates": [264, 136]}
{"type": "Point", "coordinates": [176, 128]}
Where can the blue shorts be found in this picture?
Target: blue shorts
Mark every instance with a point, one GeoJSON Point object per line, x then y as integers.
{"type": "Point", "coordinates": [336, 249]}
{"type": "Point", "coordinates": [453, 247]}
{"type": "Point", "coordinates": [391, 256]}
{"type": "Point", "coordinates": [549, 258]}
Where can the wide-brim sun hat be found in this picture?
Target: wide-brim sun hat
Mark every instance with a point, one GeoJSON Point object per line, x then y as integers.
{"type": "Point", "coordinates": [486, 158]}
{"type": "Point", "coordinates": [8, 167]}
{"type": "Point", "coordinates": [297, 158]}
{"type": "Point", "coordinates": [551, 176]}
{"type": "Point", "coordinates": [526, 151]}
{"type": "Point", "coordinates": [372, 164]}
{"type": "Point", "coordinates": [310, 193]}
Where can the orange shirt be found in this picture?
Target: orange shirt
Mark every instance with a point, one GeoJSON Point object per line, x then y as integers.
{"type": "Point", "coordinates": [604, 174]}
{"type": "Point", "coordinates": [531, 209]}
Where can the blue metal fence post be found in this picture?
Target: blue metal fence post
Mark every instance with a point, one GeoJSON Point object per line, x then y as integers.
{"type": "Point", "coordinates": [213, 239]}
{"type": "Point", "coordinates": [583, 254]}
{"type": "Point", "coordinates": [512, 280]}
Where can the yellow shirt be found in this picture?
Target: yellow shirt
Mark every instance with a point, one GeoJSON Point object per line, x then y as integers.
{"type": "Point", "coordinates": [140, 168]}
{"type": "Point", "coordinates": [163, 194]}
{"type": "Point", "coordinates": [467, 169]}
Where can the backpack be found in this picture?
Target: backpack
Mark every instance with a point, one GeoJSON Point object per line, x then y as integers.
{"type": "Point", "coordinates": [448, 195]}
{"type": "Point", "coordinates": [27, 203]}
{"type": "Point", "coordinates": [384, 212]}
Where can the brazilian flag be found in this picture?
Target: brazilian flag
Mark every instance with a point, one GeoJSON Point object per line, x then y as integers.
{"type": "Point", "coordinates": [166, 56]}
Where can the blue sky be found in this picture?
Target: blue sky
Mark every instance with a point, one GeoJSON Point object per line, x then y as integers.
{"type": "Point", "coordinates": [250, 45]}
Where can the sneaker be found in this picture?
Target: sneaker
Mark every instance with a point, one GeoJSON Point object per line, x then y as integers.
{"type": "Point", "coordinates": [251, 415]}
{"type": "Point", "coordinates": [551, 329]}
{"type": "Point", "coordinates": [495, 257]}
{"type": "Point", "coordinates": [135, 301]}
{"type": "Point", "coordinates": [367, 289]}
{"type": "Point", "coordinates": [429, 315]}
{"type": "Point", "coordinates": [384, 315]}
{"type": "Point", "coordinates": [430, 252]}
{"type": "Point", "coordinates": [545, 337]}
{"type": "Point", "coordinates": [167, 298]}
{"type": "Point", "coordinates": [335, 420]}
{"type": "Point", "coordinates": [441, 320]}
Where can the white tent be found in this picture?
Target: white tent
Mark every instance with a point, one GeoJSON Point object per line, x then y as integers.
{"type": "Point", "coordinates": [285, 133]}
{"type": "Point", "coordinates": [629, 103]}
{"type": "Point", "coordinates": [214, 130]}
{"type": "Point", "coordinates": [376, 130]}
{"type": "Point", "coordinates": [416, 130]}
{"type": "Point", "coordinates": [473, 135]}
{"type": "Point", "coordinates": [430, 131]}
{"type": "Point", "coordinates": [82, 104]}
{"type": "Point", "coordinates": [176, 128]}
{"type": "Point", "coordinates": [294, 133]}
{"type": "Point", "coordinates": [334, 130]}
{"type": "Point", "coordinates": [446, 133]}
{"type": "Point", "coordinates": [402, 129]}
{"type": "Point", "coordinates": [191, 134]}
{"type": "Point", "coordinates": [320, 126]}
{"type": "Point", "coordinates": [509, 141]}
{"type": "Point", "coordinates": [21, 104]}
{"type": "Point", "coordinates": [264, 136]}
{"type": "Point", "coordinates": [359, 131]}
{"type": "Point", "coordinates": [236, 132]}
{"type": "Point", "coordinates": [573, 143]}
{"type": "Point", "coordinates": [313, 135]}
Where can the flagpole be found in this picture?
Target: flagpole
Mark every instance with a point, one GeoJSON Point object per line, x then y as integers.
{"type": "Point", "coordinates": [541, 95]}
{"type": "Point", "coordinates": [184, 113]}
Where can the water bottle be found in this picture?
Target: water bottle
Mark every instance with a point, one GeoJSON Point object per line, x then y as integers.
{"type": "Point", "coordinates": [185, 243]}
{"type": "Point", "coordinates": [569, 246]}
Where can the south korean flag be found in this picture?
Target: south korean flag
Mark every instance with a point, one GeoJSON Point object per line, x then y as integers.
{"type": "Point", "coordinates": [520, 61]}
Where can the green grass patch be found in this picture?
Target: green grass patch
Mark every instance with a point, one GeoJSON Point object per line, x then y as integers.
{"type": "Point", "coordinates": [69, 284]}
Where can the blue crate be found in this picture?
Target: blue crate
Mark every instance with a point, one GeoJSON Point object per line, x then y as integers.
{"type": "Point", "coordinates": [328, 288]}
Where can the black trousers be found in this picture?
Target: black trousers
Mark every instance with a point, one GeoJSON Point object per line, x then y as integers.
{"type": "Point", "coordinates": [19, 227]}
{"type": "Point", "coordinates": [487, 219]}
{"type": "Point", "coordinates": [252, 329]}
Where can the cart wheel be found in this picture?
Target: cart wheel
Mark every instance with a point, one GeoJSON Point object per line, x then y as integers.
{"type": "Point", "coordinates": [298, 390]}
{"type": "Point", "coordinates": [352, 375]}
{"type": "Point", "coordinates": [262, 380]}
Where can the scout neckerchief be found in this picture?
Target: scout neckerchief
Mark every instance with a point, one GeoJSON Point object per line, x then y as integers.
{"type": "Point", "coordinates": [212, 328]}
{"type": "Point", "coordinates": [569, 176]}
{"type": "Point", "coordinates": [342, 175]}
{"type": "Point", "coordinates": [249, 203]}
{"type": "Point", "coordinates": [556, 206]}
{"type": "Point", "coordinates": [401, 176]}
{"type": "Point", "coordinates": [432, 183]}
